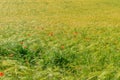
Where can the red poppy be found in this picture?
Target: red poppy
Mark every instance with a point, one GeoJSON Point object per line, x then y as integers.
{"type": "Point", "coordinates": [62, 47]}
{"type": "Point", "coordinates": [51, 34]}
{"type": "Point", "coordinates": [1, 74]}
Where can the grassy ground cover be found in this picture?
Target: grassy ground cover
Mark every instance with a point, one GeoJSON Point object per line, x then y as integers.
{"type": "Point", "coordinates": [59, 40]}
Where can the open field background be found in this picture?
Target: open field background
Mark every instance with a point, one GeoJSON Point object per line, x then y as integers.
{"type": "Point", "coordinates": [60, 39]}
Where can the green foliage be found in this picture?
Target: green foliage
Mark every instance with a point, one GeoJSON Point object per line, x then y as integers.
{"type": "Point", "coordinates": [60, 39]}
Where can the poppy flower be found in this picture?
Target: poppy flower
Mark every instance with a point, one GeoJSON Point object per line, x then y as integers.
{"type": "Point", "coordinates": [1, 74]}
{"type": "Point", "coordinates": [51, 34]}
{"type": "Point", "coordinates": [62, 47]}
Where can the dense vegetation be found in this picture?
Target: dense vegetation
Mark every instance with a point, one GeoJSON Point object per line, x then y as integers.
{"type": "Point", "coordinates": [60, 39]}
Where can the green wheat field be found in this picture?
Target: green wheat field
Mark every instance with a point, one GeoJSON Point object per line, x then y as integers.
{"type": "Point", "coordinates": [59, 39]}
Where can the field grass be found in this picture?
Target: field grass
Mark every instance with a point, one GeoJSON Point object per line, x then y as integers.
{"type": "Point", "coordinates": [60, 39]}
